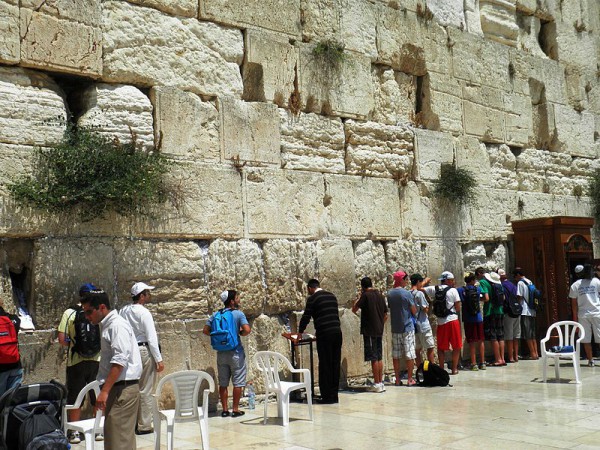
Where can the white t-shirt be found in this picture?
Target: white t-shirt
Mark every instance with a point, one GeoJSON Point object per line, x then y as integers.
{"type": "Point", "coordinates": [588, 299]}
{"type": "Point", "coordinates": [523, 291]}
{"type": "Point", "coordinates": [451, 298]}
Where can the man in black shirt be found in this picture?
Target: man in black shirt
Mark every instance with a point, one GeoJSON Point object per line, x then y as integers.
{"type": "Point", "coordinates": [322, 306]}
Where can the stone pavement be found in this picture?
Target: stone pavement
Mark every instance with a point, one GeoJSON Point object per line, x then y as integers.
{"type": "Point", "coordinates": [502, 408]}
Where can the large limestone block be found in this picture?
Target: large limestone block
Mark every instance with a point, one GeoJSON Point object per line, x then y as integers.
{"type": "Point", "coordinates": [321, 20]}
{"type": "Point", "coordinates": [448, 12]}
{"type": "Point", "coordinates": [518, 119]}
{"type": "Point", "coordinates": [32, 108]}
{"type": "Point", "coordinates": [395, 96]}
{"type": "Point", "coordinates": [270, 67]}
{"type": "Point", "coordinates": [472, 17]}
{"type": "Point", "coordinates": [443, 254]}
{"type": "Point", "coordinates": [493, 223]}
{"type": "Point", "coordinates": [442, 105]}
{"type": "Point", "coordinates": [118, 112]}
{"type": "Point", "coordinates": [374, 149]}
{"type": "Point", "coordinates": [200, 57]}
{"type": "Point", "coordinates": [250, 131]}
{"type": "Point", "coordinates": [485, 123]}
{"type": "Point", "coordinates": [42, 357]}
{"type": "Point", "coordinates": [372, 210]}
{"type": "Point", "coordinates": [529, 30]}
{"type": "Point", "coordinates": [473, 156]}
{"type": "Point", "coordinates": [176, 269]}
{"type": "Point", "coordinates": [550, 73]}
{"type": "Point", "coordinates": [185, 126]}
{"type": "Point", "coordinates": [490, 255]}
{"type": "Point", "coordinates": [342, 88]}
{"type": "Point", "coordinates": [10, 45]}
{"type": "Point", "coordinates": [498, 20]}
{"type": "Point", "coordinates": [62, 36]}
{"type": "Point", "coordinates": [312, 142]}
{"type": "Point", "coordinates": [288, 266]}
{"type": "Point", "coordinates": [336, 269]}
{"type": "Point", "coordinates": [432, 149]}
{"type": "Point", "coordinates": [58, 271]}
{"type": "Point", "coordinates": [575, 131]}
{"type": "Point", "coordinates": [15, 162]}
{"type": "Point", "coordinates": [405, 254]}
{"type": "Point", "coordinates": [285, 203]}
{"type": "Point", "coordinates": [359, 26]}
{"type": "Point", "coordinates": [502, 173]}
{"type": "Point", "coordinates": [369, 261]}
{"type": "Point", "coordinates": [210, 205]}
{"type": "Point", "coordinates": [236, 265]}
{"type": "Point", "coordinates": [275, 15]}
{"type": "Point", "coordinates": [576, 44]}
{"type": "Point", "coordinates": [182, 8]}
{"type": "Point", "coordinates": [352, 347]}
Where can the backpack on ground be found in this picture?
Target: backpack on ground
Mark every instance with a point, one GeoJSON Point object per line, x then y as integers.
{"type": "Point", "coordinates": [87, 335]}
{"type": "Point", "coordinates": [9, 343]}
{"type": "Point", "coordinates": [535, 301]}
{"type": "Point", "coordinates": [440, 309]}
{"type": "Point", "coordinates": [497, 296]}
{"type": "Point", "coordinates": [223, 331]}
{"type": "Point", "coordinates": [40, 429]}
{"type": "Point", "coordinates": [430, 374]}
{"type": "Point", "coordinates": [512, 305]}
{"type": "Point", "coordinates": [471, 300]}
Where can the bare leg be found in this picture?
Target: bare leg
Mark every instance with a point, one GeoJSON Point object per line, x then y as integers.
{"type": "Point", "coordinates": [237, 394]}
{"type": "Point", "coordinates": [455, 358]}
{"type": "Point", "coordinates": [441, 358]}
{"type": "Point", "coordinates": [531, 343]}
{"type": "Point", "coordinates": [380, 371]}
{"type": "Point", "coordinates": [223, 397]}
{"type": "Point", "coordinates": [410, 365]}
{"type": "Point", "coordinates": [511, 350]}
{"type": "Point", "coordinates": [482, 351]}
{"type": "Point", "coordinates": [588, 351]}
{"type": "Point", "coordinates": [496, 348]}
{"type": "Point", "coordinates": [419, 357]}
{"type": "Point", "coordinates": [430, 354]}
{"type": "Point", "coordinates": [501, 351]}
{"type": "Point", "coordinates": [74, 415]}
{"type": "Point", "coordinates": [472, 351]}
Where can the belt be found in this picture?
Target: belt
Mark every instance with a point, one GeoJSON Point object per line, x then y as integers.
{"type": "Point", "coordinates": [145, 344]}
{"type": "Point", "coordinates": [126, 382]}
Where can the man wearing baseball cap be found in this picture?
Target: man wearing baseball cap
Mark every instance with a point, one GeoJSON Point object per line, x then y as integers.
{"type": "Point", "coordinates": [144, 330]}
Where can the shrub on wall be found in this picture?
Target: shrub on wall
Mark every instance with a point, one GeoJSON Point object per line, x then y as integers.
{"type": "Point", "coordinates": [92, 175]}
{"type": "Point", "coordinates": [594, 188]}
{"type": "Point", "coordinates": [455, 185]}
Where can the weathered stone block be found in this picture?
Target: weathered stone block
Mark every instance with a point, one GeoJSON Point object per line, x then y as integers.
{"type": "Point", "coordinates": [118, 112]}
{"type": "Point", "coordinates": [472, 17]}
{"type": "Point", "coordinates": [270, 68]}
{"type": "Point", "coordinates": [250, 131]}
{"type": "Point", "coordinates": [491, 214]}
{"type": "Point", "coordinates": [15, 162]}
{"type": "Point", "coordinates": [312, 142]}
{"type": "Point", "coordinates": [321, 20]}
{"type": "Point", "coordinates": [374, 149]}
{"type": "Point", "coordinates": [275, 15]}
{"type": "Point", "coordinates": [32, 108]}
{"type": "Point", "coordinates": [359, 27]}
{"type": "Point", "coordinates": [210, 205]}
{"type": "Point", "coordinates": [67, 42]}
{"type": "Point", "coordinates": [443, 254]}
{"type": "Point", "coordinates": [501, 168]}
{"type": "Point", "coordinates": [10, 45]}
{"type": "Point", "coordinates": [448, 12]}
{"type": "Point", "coordinates": [285, 203]}
{"type": "Point", "coordinates": [372, 210]}
{"type": "Point", "coordinates": [498, 21]}
{"type": "Point", "coordinates": [575, 131]}
{"type": "Point", "coordinates": [406, 254]}
{"type": "Point", "coordinates": [343, 88]}
{"type": "Point", "coordinates": [442, 106]}
{"type": "Point", "coordinates": [200, 57]}
{"type": "Point", "coordinates": [336, 269]}
{"type": "Point", "coordinates": [57, 272]}
{"type": "Point", "coordinates": [473, 156]}
{"type": "Point", "coordinates": [43, 359]}
{"type": "Point", "coordinates": [490, 255]}
{"type": "Point", "coordinates": [184, 125]}
{"type": "Point", "coordinates": [182, 8]}
{"type": "Point", "coordinates": [176, 269]}
{"type": "Point", "coordinates": [432, 149]}
{"type": "Point", "coordinates": [485, 123]}
{"type": "Point", "coordinates": [369, 261]}
{"type": "Point", "coordinates": [288, 266]}
{"type": "Point", "coordinates": [518, 119]}
{"type": "Point", "coordinates": [395, 96]}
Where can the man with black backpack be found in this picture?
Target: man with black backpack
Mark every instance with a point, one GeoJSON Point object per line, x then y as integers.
{"type": "Point", "coordinates": [473, 321]}
{"type": "Point", "coordinates": [82, 340]}
{"type": "Point", "coordinates": [512, 317]}
{"type": "Point", "coordinates": [529, 312]}
{"type": "Point", "coordinates": [11, 371]}
{"type": "Point", "coordinates": [493, 314]}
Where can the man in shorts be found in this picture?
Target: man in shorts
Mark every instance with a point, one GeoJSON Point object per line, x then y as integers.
{"type": "Point", "coordinates": [528, 314]}
{"type": "Point", "coordinates": [231, 365]}
{"type": "Point", "coordinates": [402, 311]}
{"type": "Point", "coordinates": [585, 305]}
{"type": "Point", "coordinates": [512, 325]}
{"type": "Point", "coordinates": [493, 316]}
{"type": "Point", "coordinates": [372, 319]}
{"type": "Point", "coordinates": [473, 322]}
{"type": "Point", "coordinates": [449, 335]}
{"type": "Point", "coordinates": [423, 333]}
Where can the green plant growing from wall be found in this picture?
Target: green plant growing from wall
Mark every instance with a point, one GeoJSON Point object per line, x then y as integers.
{"type": "Point", "coordinates": [455, 185]}
{"type": "Point", "coordinates": [90, 174]}
{"type": "Point", "coordinates": [594, 192]}
{"type": "Point", "coordinates": [330, 53]}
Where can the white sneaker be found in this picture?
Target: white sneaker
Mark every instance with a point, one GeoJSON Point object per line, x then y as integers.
{"type": "Point", "coordinates": [99, 437]}
{"type": "Point", "coordinates": [74, 438]}
{"type": "Point", "coordinates": [382, 386]}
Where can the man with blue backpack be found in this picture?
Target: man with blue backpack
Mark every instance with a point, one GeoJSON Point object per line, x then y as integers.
{"type": "Point", "coordinates": [225, 327]}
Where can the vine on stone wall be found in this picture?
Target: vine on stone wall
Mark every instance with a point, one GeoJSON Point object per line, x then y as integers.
{"type": "Point", "coordinates": [90, 174]}
{"type": "Point", "coordinates": [594, 188]}
{"type": "Point", "coordinates": [455, 185]}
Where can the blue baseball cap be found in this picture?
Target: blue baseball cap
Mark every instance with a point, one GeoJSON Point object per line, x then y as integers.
{"type": "Point", "coordinates": [87, 287]}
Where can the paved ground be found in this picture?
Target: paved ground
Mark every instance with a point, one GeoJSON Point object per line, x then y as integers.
{"type": "Point", "coordinates": [504, 408]}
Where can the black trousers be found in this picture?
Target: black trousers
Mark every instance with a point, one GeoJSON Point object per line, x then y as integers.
{"type": "Point", "coordinates": [329, 349]}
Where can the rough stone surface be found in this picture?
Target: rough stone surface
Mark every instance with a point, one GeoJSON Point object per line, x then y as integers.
{"type": "Point", "coordinates": [503, 167]}
{"type": "Point", "coordinates": [276, 15]}
{"type": "Point", "coordinates": [498, 20]}
{"type": "Point", "coordinates": [249, 131]}
{"type": "Point", "coordinates": [10, 45]}
{"type": "Point", "coordinates": [370, 262]}
{"type": "Point", "coordinates": [32, 108]}
{"type": "Point", "coordinates": [312, 142]}
{"type": "Point", "coordinates": [432, 149]}
{"type": "Point", "coordinates": [336, 269]}
{"type": "Point", "coordinates": [358, 24]}
{"type": "Point", "coordinates": [184, 125]}
{"type": "Point", "coordinates": [395, 96]}
{"type": "Point", "coordinates": [379, 150]}
{"type": "Point", "coordinates": [183, 8]}
{"type": "Point", "coordinates": [490, 256]}
{"type": "Point", "coordinates": [405, 254]}
{"type": "Point", "coordinates": [575, 131]}
{"type": "Point", "coordinates": [448, 12]}
{"type": "Point", "coordinates": [201, 57]}
{"type": "Point", "coordinates": [118, 112]}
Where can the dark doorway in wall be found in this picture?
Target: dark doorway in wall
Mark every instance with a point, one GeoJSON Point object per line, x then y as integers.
{"type": "Point", "coordinates": [15, 271]}
{"type": "Point", "coordinates": [547, 39]}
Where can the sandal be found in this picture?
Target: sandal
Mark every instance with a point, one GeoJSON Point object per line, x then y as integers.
{"type": "Point", "coordinates": [237, 413]}
{"type": "Point", "coordinates": [225, 414]}
{"type": "Point", "coordinates": [411, 383]}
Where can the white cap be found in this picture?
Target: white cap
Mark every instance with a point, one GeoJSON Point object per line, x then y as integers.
{"type": "Point", "coordinates": [578, 268]}
{"type": "Point", "coordinates": [224, 296]}
{"type": "Point", "coordinates": [502, 272]}
{"type": "Point", "coordinates": [140, 287]}
{"type": "Point", "coordinates": [446, 276]}
{"type": "Point", "coordinates": [493, 277]}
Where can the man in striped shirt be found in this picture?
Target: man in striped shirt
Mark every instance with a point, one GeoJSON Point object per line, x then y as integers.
{"type": "Point", "coordinates": [322, 306]}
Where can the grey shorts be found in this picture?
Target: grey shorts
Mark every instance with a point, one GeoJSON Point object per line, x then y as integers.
{"type": "Point", "coordinates": [527, 327]}
{"type": "Point", "coordinates": [232, 366]}
{"type": "Point", "coordinates": [512, 328]}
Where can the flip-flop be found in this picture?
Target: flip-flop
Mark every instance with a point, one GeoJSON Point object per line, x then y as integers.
{"type": "Point", "coordinates": [409, 384]}
{"type": "Point", "coordinates": [225, 414]}
{"type": "Point", "coordinates": [237, 413]}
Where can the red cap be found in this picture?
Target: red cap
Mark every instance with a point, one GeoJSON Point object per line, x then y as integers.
{"type": "Point", "coordinates": [400, 275]}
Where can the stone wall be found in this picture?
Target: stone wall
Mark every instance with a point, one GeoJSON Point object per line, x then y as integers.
{"type": "Point", "coordinates": [293, 164]}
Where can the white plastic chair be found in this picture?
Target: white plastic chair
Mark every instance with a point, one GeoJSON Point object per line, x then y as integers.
{"type": "Point", "coordinates": [567, 335]}
{"type": "Point", "coordinates": [89, 427]}
{"type": "Point", "coordinates": [270, 364]}
{"type": "Point", "coordinates": [186, 386]}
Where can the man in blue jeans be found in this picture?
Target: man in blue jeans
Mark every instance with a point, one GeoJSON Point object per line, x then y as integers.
{"type": "Point", "coordinates": [11, 371]}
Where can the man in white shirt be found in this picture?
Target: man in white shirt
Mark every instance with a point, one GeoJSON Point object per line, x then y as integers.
{"type": "Point", "coordinates": [144, 330]}
{"type": "Point", "coordinates": [119, 372]}
{"type": "Point", "coordinates": [585, 305]}
{"type": "Point", "coordinates": [448, 331]}
{"type": "Point", "coordinates": [528, 313]}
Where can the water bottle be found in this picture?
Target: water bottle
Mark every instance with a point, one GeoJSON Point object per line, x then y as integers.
{"type": "Point", "coordinates": [251, 396]}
